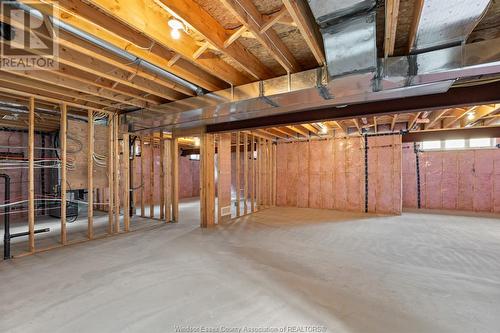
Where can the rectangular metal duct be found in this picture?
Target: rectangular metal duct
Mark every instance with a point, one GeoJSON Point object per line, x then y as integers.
{"type": "Point", "coordinates": [350, 46]}
{"type": "Point", "coordinates": [444, 23]}
{"type": "Point", "coordinates": [326, 11]}
{"type": "Point", "coordinates": [348, 29]}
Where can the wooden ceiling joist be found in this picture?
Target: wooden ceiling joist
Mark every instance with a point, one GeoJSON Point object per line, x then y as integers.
{"type": "Point", "coordinates": [417, 13]}
{"type": "Point", "coordinates": [50, 93]}
{"type": "Point", "coordinates": [285, 131]}
{"type": "Point", "coordinates": [434, 118]}
{"type": "Point", "coordinates": [340, 124]}
{"type": "Point", "coordinates": [82, 47]}
{"type": "Point", "coordinates": [49, 88]}
{"type": "Point", "coordinates": [311, 128]}
{"type": "Point", "coordinates": [391, 22]}
{"type": "Point", "coordinates": [393, 122]}
{"type": "Point", "coordinates": [20, 92]}
{"type": "Point", "coordinates": [479, 113]}
{"type": "Point", "coordinates": [301, 14]}
{"type": "Point", "coordinates": [356, 123]}
{"type": "Point", "coordinates": [152, 21]}
{"type": "Point", "coordinates": [207, 26]}
{"type": "Point", "coordinates": [85, 18]}
{"type": "Point", "coordinates": [59, 80]}
{"type": "Point", "coordinates": [455, 116]}
{"type": "Point", "coordinates": [299, 130]}
{"type": "Point", "coordinates": [246, 12]}
{"type": "Point", "coordinates": [413, 120]}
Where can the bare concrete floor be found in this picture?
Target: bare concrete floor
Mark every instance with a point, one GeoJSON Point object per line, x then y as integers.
{"type": "Point", "coordinates": [279, 267]}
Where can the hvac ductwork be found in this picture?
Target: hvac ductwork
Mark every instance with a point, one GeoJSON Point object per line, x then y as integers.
{"type": "Point", "coordinates": [428, 73]}
{"type": "Point", "coordinates": [446, 23]}
{"type": "Point", "coordinates": [355, 75]}
{"type": "Point", "coordinates": [348, 29]}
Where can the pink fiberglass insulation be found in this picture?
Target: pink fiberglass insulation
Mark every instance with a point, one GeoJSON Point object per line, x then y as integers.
{"type": "Point", "coordinates": [185, 178]}
{"type": "Point", "coordinates": [281, 174]}
{"type": "Point", "coordinates": [302, 170]}
{"type": "Point", "coordinates": [326, 175]}
{"type": "Point", "coordinates": [455, 179]}
{"type": "Point", "coordinates": [355, 173]}
{"type": "Point", "coordinates": [314, 173]}
{"type": "Point", "coordinates": [384, 174]}
{"type": "Point", "coordinates": [189, 182]}
{"type": "Point", "coordinates": [339, 175]}
{"type": "Point", "coordinates": [292, 175]}
{"type": "Point", "coordinates": [330, 174]}
{"type": "Point", "coordinates": [409, 176]}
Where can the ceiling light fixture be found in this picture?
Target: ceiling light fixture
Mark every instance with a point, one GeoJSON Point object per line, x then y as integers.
{"type": "Point", "coordinates": [176, 26]}
{"type": "Point", "coordinates": [471, 115]}
{"type": "Point", "coordinates": [196, 141]}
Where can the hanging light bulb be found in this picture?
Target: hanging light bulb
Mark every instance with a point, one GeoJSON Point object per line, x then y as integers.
{"type": "Point", "coordinates": [176, 26]}
{"type": "Point", "coordinates": [471, 115]}
{"type": "Point", "coordinates": [175, 34]}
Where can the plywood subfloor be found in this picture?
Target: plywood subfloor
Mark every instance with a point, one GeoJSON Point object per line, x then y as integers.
{"type": "Point", "coordinates": [282, 266]}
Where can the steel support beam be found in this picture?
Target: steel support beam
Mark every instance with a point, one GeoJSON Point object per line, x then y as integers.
{"type": "Point", "coordinates": [455, 97]}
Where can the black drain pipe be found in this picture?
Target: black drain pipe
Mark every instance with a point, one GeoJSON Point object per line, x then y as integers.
{"type": "Point", "coordinates": [417, 161]}
{"type": "Point", "coordinates": [6, 218]}
{"type": "Point", "coordinates": [7, 236]}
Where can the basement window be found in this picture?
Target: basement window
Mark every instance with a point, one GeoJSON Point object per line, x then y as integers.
{"type": "Point", "coordinates": [427, 145]}
{"type": "Point", "coordinates": [480, 142]}
{"type": "Point", "coordinates": [454, 144]}
{"type": "Point", "coordinates": [194, 157]}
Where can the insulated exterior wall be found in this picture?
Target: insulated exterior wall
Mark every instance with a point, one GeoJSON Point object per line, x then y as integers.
{"type": "Point", "coordinates": [189, 176]}
{"type": "Point", "coordinates": [330, 174]}
{"type": "Point", "coordinates": [467, 180]}
{"type": "Point", "coordinates": [384, 174]}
